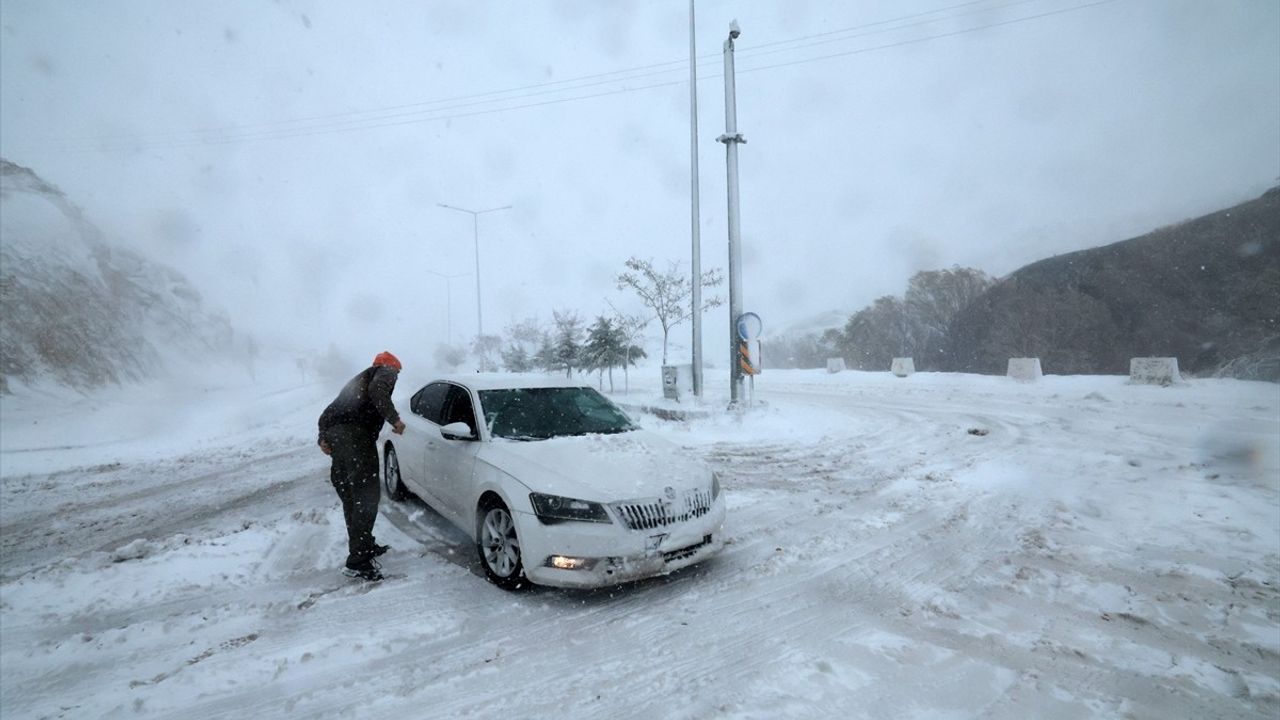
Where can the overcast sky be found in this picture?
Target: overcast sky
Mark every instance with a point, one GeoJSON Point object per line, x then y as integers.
{"type": "Point", "coordinates": [289, 156]}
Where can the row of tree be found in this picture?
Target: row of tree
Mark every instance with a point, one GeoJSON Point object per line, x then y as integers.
{"type": "Point", "coordinates": [613, 340]}
{"type": "Point", "coordinates": [914, 325]}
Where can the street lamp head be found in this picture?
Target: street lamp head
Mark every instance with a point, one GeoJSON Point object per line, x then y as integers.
{"type": "Point", "coordinates": [472, 212]}
{"type": "Point", "coordinates": [734, 30]}
{"type": "Point", "coordinates": [448, 277]}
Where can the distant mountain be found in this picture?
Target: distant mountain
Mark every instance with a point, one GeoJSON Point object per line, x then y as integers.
{"type": "Point", "coordinates": [1206, 291]}
{"type": "Point", "coordinates": [80, 311]}
{"type": "Point", "coordinates": [814, 324]}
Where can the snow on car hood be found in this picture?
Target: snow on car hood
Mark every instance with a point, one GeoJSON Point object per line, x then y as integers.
{"type": "Point", "coordinates": [601, 468]}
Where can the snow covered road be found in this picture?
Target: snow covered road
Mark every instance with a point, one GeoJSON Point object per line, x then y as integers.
{"type": "Point", "coordinates": [935, 546]}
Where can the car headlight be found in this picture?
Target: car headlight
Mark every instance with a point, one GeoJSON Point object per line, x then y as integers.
{"type": "Point", "coordinates": [554, 509]}
{"type": "Point", "coordinates": [715, 486]}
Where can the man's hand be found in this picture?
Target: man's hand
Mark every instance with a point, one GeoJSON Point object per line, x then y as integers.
{"type": "Point", "coordinates": [398, 427]}
{"type": "Point", "coordinates": [324, 448]}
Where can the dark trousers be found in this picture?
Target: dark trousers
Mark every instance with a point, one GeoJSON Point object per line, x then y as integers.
{"type": "Point", "coordinates": [354, 475]}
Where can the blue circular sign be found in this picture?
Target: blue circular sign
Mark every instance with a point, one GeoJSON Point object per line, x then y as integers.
{"type": "Point", "coordinates": [749, 326]}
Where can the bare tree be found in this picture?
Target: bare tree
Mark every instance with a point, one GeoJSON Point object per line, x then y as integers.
{"type": "Point", "coordinates": [485, 347]}
{"type": "Point", "coordinates": [450, 356]}
{"type": "Point", "coordinates": [1069, 330]}
{"type": "Point", "coordinates": [516, 360]}
{"type": "Point", "coordinates": [667, 294]}
{"type": "Point", "coordinates": [631, 329]}
{"type": "Point", "coordinates": [875, 335]}
{"type": "Point", "coordinates": [933, 298]}
{"type": "Point", "coordinates": [526, 334]}
{"type": "Point", "coordinates": [524, 339]}
{"type": "Point", "coordinates": [805, 350]}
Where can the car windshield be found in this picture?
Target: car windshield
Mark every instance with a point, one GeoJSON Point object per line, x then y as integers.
{"type": "Point", "coordinates": [542, 413]}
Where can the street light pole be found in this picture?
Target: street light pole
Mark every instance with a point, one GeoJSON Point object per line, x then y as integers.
{"type": "Point", "coordinates": [475, 234]}
{"type": "Point", "coordinates": [448, 285]}
{"type": "Point", "coordinates": [731, 139]}
{"type": "Point", "coordinates": [694, 211]}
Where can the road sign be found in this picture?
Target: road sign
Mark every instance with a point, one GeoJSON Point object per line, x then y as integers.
{"type": "Point", "coordinates": [749, 326]}
{"type": "Point", "coordinates": [749, 357]}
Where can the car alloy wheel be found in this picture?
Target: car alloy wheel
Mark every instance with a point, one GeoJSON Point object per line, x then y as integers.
{"type": "Point", "coordinates": [499, 548]}
{"type": "Point", "coordinates": [391, 475]}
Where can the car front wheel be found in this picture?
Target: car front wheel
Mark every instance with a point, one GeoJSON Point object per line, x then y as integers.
{"type": "Point", "coordinates": [499, 547]}
{"type": "Point", "coordinates": [391, 475]}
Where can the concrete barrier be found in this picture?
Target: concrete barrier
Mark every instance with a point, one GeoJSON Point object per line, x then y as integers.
{"type": "Point", "coordinates": [835, 365]}
{"type": "Point", "coordinates": [1154, 371]}
{"type": "Point", "coordinates": [1024, 369]}
{"type": "Point", "coordinates": [903, 367]}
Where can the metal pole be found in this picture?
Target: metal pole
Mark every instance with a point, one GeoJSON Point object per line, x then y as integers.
{"type": "Point", "coordinates": [475, 234]}
{"type": "Point", "coordinates": [731, 139]}
{"type": "Point", "coordinates": [448, 285]}
{"type": "Point", "coordinates": [694, 211]}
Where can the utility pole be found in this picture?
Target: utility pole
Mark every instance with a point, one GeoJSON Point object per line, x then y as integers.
{"type": "Point", "coordinates": [475, 234]}
{"type": "Point", "coordinates": [448, 284]}
{"type": "Point", "coordinates": [731, 139]}
{"type": "Point", "coordinates": [694, 212]}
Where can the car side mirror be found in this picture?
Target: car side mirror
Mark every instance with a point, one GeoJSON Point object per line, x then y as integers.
{"type": "Point", "coordinates": [457, 431]}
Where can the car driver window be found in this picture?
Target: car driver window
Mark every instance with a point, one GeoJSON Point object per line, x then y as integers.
{"type": "Point", "coordinates": [429, 402]}
{"type": "Point", "coordinates": [458, 408]}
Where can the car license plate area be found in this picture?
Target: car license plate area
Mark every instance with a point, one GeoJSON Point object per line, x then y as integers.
{"type": "Point", "coordinates": [686, 552]}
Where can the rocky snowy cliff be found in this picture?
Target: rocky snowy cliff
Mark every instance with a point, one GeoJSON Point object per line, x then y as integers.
{"type": "Point", "coordinates": [79, 311]}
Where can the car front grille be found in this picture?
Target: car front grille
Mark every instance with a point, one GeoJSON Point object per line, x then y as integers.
{"type": "Point", "coordinates": [655, 513]}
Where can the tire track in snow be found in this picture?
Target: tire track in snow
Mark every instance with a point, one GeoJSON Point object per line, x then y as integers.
{"type": "Point", "coordinates": [206, 502]}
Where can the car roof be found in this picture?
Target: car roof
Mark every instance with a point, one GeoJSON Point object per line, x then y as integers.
{"type": "Point", "coordinates": [507, 381]}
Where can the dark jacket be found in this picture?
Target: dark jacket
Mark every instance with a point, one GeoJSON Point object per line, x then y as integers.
{"type": "Point", "coordinates": [365, 402]}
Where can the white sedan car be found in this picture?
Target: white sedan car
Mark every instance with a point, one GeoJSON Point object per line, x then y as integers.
{"type": "Point", "coordinates": [552, 481]}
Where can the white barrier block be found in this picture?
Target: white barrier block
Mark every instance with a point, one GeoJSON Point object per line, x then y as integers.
{"type": "Point", "coordinates": [903, 367]}
{"type": "Point", "coordinates": [1154, 371]}
{"type": "Point", "coordinates": [1024, 369]}
{"type": "Point", "coordinates": [835, 365]}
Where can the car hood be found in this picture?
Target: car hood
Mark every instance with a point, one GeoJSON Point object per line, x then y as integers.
{"type": "Point", "coordinates": [600, 468]}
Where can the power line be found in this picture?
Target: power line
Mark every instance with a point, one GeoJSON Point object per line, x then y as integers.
{"type": "Point", "coordinates": [873, 24]}
{"type": "Point", "coordinates": [359, 124]}
{"type": "Point", "coordinates": [915, 41]}
{"type": "Point", "coordinates": [755, 52]}
{"type": "Point", "coordinates": [603, 78]}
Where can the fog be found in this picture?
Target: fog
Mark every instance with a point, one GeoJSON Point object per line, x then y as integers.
{"type": "Point", "coordinates": [290, 157]}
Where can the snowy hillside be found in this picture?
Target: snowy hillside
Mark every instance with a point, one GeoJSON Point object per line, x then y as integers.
{"type": "Point", "coordinates": [943, 545]}
{"type": "Point", "coordinates": [1206, 291]}
{"type": "Point", "coordinates": [80, 311]}
{"type": "Point", "coordinates": [816, 324]}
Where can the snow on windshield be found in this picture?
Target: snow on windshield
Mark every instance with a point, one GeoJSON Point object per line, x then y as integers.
{"type": "Point", "coordinates": [542, 413]}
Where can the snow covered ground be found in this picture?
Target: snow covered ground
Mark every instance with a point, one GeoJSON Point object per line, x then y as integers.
{"type": "Point", "coordinates": [935, 546]}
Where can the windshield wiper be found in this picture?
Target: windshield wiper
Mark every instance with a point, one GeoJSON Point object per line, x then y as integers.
{"type": "Point", "coordinates": [602, 431]}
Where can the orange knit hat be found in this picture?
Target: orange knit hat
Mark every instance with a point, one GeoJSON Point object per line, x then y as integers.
{"type": "Point", "coordinates": [387, 359]}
